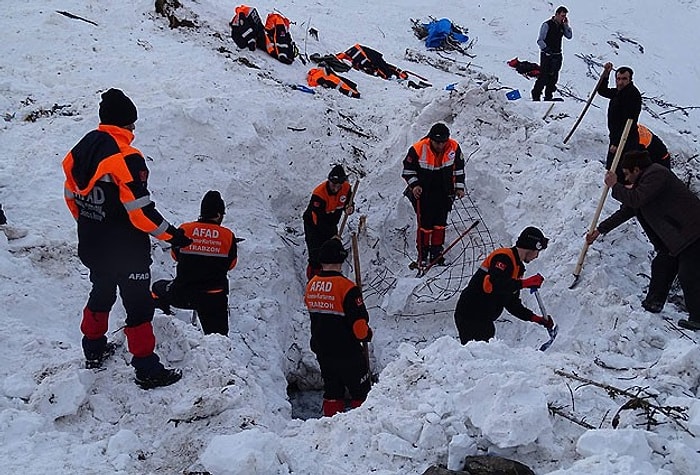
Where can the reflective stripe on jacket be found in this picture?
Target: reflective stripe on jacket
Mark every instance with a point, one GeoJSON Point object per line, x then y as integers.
{"type": "Point", "coordinates": [104, 158]}
{"type": "Point", "coordinates": [423, 167]}
{"type": "Point", "coordinates": [339, 318]}
{"type": "Point", "coordinates": [203, 265]}
{"type": "Point", "coordinates": [328, 79]}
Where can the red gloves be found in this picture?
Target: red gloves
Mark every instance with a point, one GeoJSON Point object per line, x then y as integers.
{"type": "Point", "coordinates": [546, 322]}
{"type": "Point", "coordinates": [533, 282]}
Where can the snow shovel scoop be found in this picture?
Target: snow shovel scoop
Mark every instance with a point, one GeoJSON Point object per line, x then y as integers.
{"type": "Point", "coordinates": [554, 331]}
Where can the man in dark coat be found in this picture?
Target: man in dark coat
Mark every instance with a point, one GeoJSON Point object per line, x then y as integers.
{"type": "Point", "coordinates": [664, 267]}
{"type": "Point", "coordinates": [672, 212]}
{"type": "Point", "coordinates": [625, 103]}
{"type": "Point", "coordinates": [496, 286]}
{"type": "Point", "coordinates": [549, 41]}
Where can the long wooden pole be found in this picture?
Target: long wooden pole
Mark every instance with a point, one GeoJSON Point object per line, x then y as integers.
{"type": "Point", "coordinates": [358, 282]}
{"type": "Point", "coordinates": [585, 108]}
{"type": "Point", "coordinates": [601, 202]}
{"type": "Point", "coordinates": [351, 197]}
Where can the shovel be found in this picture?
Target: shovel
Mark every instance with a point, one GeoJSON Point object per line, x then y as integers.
{"type": "Point", "coordinates": [554, 331]}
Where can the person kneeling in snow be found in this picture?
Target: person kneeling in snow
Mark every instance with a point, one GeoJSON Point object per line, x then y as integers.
{"type": "Point", "coordinates": [496, 285]}
{"type": "Point", "coordinates": [201, 283]}
{"type": "Point", "coordinates": [339, 326]}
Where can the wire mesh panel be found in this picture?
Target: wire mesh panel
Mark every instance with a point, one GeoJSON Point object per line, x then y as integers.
{"type": "Point", "coordinates": [440, 282]}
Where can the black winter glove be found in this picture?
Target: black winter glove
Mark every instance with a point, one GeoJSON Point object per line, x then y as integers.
{"type": "Point", "coordinates": [179, 238]}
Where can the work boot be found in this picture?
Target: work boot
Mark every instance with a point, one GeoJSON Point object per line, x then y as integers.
{"type": "Point", "coordinates": [652, 306]}
{"type": "Point", "coordinates": [689, 324]}
{"type": "Point", "coordinates": [164, 377]}
{"type": "Point", "coordinates": [95, 360]}
{"type": "Point", "coordinates": [535, 97]}
{"type": "Point", "coordinates": [435, 256]}
{"type": "Point", "coordinates": [423, 256]}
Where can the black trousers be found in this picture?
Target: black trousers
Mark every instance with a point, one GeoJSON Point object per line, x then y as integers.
{"type": "Point", "coordinates": [134, 290]}
{"type": "Point", "coordinates": [432, 208]}
{"type": "Point", "coordinates": [211, 307]}
{"type": "Point", "coordinates": [550, 65]}
{"type": "Point", "coordinates": [349, 372]}
{"type": "Point", "coordinates": [664, 269]}
{"type": "Point", "coordinates": [474, 330]}
{"type": "Point", "coordinates": [689, 276]}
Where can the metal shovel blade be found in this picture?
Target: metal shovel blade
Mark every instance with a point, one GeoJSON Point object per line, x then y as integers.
{"type": "Point", "coordinates": [553, 332]}
{"type": "Point", "coordinates": [575, 282]}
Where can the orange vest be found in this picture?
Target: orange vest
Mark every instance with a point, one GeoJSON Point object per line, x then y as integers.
{"type": "Point", "coordinates": [427, 160]}
{"type": "Point", "coordinates": [209, 239]}
{"type": "Point", "coordinates": [324, 297]}
{"type": "Point", "coordinates": [486, 265]}
{"type": "Point", "coordinates": [333, 203]}
{"type": "Point", "coordinates": [645, 135]}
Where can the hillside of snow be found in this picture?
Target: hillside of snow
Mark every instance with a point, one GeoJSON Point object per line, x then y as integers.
{"type": "Point", "coordinates": [214, 117]}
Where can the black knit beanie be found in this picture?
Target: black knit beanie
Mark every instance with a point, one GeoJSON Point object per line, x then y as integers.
{"type": "Point", "coordinates": [117, 109]}
{"type": "Point", "coordinates": [332, 252]}
{"type": "Point", "coordinates": [212, 205]}
{"type": "Point", "coordinates": [337, 175]}
{"type": "Point", "coordinates": [439, 132]}
{"type": "Point", "coordinates": [533, 239]}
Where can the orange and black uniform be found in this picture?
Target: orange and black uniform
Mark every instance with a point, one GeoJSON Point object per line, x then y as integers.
{"type": "Point", "coordinates": [372, 62]}
{"type": "Point", "coordinates": [439, 176]}
{"type": "Point", "coordinates": [326, 77]}
{"type": "Point", "coordinates": [495, 285]}
{"type": "Point", "coordinates": [106, 191]}
{"type": "Point", "coordinates": [247, 28]}
{"type": "Point", "coordinates": [339, 325]}
{"type": "Point", "coordinates": [201, 282]}
{"type": "Point", "coordinates": [654, 145]}
{"type": "Point", "coordinates": [321, 219]}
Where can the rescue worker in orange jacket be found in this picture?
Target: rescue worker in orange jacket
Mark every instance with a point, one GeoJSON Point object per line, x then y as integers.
{"type": "Point", "coordinates": [654, 145]}
{"type": "Point", "coordinates": [434, 172]}
{"type": "Point", "coordinates": [326, 77]}
{"type": "Point", "coordinates": [322, 215]}
{"type": "Point", "coordinates": [496, 285]}
{"type": "Point", "coordinates": [339, 326]}
{"type": "Point", "coordinates": [201, 283]}
{"type": "Point", "coordinates": [106, 191]}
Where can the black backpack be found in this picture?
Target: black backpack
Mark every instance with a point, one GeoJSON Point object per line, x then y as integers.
{"type": "Point", "coordinates": [246, 28]}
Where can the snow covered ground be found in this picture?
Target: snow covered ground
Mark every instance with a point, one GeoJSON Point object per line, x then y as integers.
{"type": "Point", "coordinates": [209, 121]}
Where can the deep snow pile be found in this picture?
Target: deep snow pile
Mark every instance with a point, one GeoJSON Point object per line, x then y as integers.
{"type": "Point", "coordinates": [208, 121]}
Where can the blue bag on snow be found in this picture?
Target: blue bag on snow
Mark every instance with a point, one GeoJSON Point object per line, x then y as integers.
{"type": "Point", "coordinates": [439, 31]}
